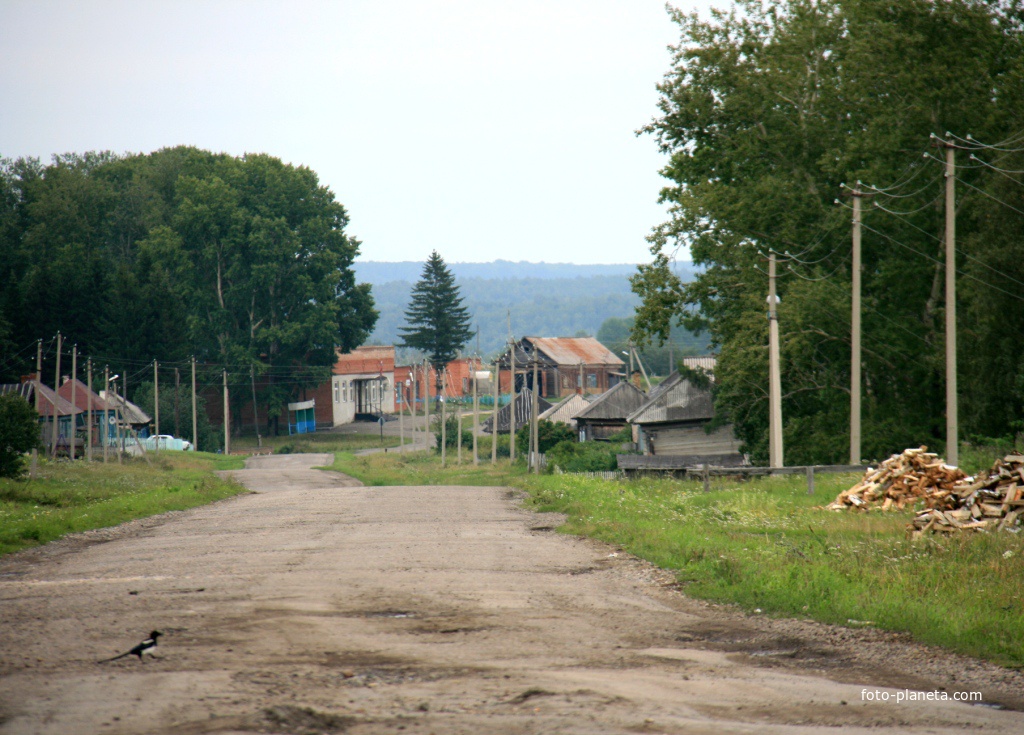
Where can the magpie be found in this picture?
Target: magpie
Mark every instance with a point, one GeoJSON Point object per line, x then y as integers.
{"type": "Point", "coordinates": [147, 646]}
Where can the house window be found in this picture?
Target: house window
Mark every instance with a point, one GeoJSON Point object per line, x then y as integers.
{"type": "Point", "coordinates": [337, 393]}
{"type": "Point", "coordinates": [591, 380]}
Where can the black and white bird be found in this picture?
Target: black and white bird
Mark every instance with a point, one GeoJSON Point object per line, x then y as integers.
{"type": "Point", "coordinates": [147, 646]}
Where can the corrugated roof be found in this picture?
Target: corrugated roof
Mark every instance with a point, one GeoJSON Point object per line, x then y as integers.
{"type": "Point", "coordinates": [614, 404]}
{"type": "Point", "coordinates": [128, 410]}
{"type": "Point", "coordinates": [524, 410]}
{"type": "Point", "coordinates": [677, 399]}
{"type": "Point", "coordinates": [564, 412]}
{"type": "Point", "coordinates": [702, 363]}
{"type": "Point", "coordinates": [574, 350]}
{"type": "Point", "coordinates": [48, 398]}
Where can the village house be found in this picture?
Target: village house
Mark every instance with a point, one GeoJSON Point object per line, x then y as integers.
{"type": "Point", "coordinates": [607, 414]}
{"type": "Point", "coordinates": [566, 365]}
{"type": "Point", "coordinates": [362, 384]}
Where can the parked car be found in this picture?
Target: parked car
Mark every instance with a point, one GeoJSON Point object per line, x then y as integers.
{"type": "Point", "coordinates": [166, 441]}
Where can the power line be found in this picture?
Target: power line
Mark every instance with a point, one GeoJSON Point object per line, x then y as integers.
{"type": "Point", "coordinates": [1003, 171]}
{"type": "Point", "coordinates": [995, 199]}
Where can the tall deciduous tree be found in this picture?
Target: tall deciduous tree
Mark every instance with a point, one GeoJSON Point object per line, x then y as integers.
{"type": "Point", "coordinates": [766, 111]}
{"type": "Point", "coordinates": [439, 324]}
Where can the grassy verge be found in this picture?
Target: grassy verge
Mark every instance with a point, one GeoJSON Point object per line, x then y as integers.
{"type": "Point", "coordinates": [424, 468]}
{"type": "Point", "coordinates": [765, 544]}
{"type": "Point", "coordinates": [326, 441]}
{"type": "Point", "coordinates": [70, 497]}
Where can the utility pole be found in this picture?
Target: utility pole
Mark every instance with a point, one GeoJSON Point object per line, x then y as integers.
{"type": "Point", "coordinates": [56, 387]}
{"type": "Point", "coordinates": [494, 413]}
{"type": "Point", "coordinates": [227, 416]}
{"type": "Point", "coordinates": [177, 390]}
{"type": "Point", "coordinates": [426, 402]}
{"type": "Point", "coordinates": [534, 418]}
{"type": "Point", "coordinates": [74, 400]}
{"type": "Point", "coordinates": [88, 413]}
{"type": "Point", "coordinates": [512, 406]}
{"type": "Point", "coordinates": [127, 424]}
{"type": "Point", "coordinates": [255, 415]}
{"type": "Point", "coordinates": [156, 407]}
{"type": "Point", "coordinates": [105, 435]}
{"type": "Point", "coordinates": [952, 443]}
{"type": "Point", "coordinates": [458, 429]}
{"type": "Point", "coordinates": [444, 436]}
{"type": "Point", "coordinates": [35, 393]}
{"type": "Point", "coordinates": [195, 432]}
{"type": "Point", "coordinates": [476, 405]}
{"type": "Point", "coordinates": [775, 382]}
{"type": "Point", "coordinates": [855, 359]}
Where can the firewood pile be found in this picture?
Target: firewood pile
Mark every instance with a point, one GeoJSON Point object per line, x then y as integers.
{"type": "Point", "coordinates": [903, 480]}
{"type": "Point", "coordinates": [993, 502]}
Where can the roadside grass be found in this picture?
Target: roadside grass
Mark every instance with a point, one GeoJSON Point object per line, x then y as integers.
{"type": "Point", "coordinates": [424, 468]}
{"type": "Point", "coordinates": [765, 544]}
{"type": "Point", "coordinates": [69, 497]}
{"type": "Point", "coordinates": [317, 442]}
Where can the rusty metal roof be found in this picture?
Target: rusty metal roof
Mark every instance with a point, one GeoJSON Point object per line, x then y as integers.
{"type": "Point", "coordinates": [574, 350]}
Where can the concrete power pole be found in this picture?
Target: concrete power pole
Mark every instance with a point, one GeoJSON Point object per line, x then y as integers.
{"type": "Point", "coordinates": [88, 413]}
{"type": "Point", "coordinates": [855, 359]}
{"type": "Point", "coordinates": [56, 387]}
{"type": "Point", "coordinates": [952, 445]}
{"type": "Point", "coordinates": [195, 425]}
{"type": "Point", "coordinates": [35, 394]}
{"type": "Point", "coordinates": [512, 406]}
{"type": "Point", "coordinates": [105, 435]}
{"type": "Point", "coordinates": [74, 400]}
{"type": "Point", "coordinates": [476, 405]}
{"type": "Point", "coordinates": [534, 418]}
{"type": "Point", "coordinates": [494, 413]}
{"type": "Point", "coordinates": [227, 417]}
{"type": "Point", "coordinates": [156, 407]}
{"type": "Point", "coordinates": [775, 387]}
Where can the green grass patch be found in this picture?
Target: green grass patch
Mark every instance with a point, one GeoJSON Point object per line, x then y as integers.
{"type": "Point", "coordinates": [316, 443]}
{"type": "Point", "coordinates": [68, 497]}
{"type": "Point", "coordinates": [766, 544]}
{"type": "Point", "coordinates": [424, 468]}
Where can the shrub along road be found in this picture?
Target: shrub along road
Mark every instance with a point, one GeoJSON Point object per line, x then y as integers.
{"type": "Point", "coordinates": [317, 605]}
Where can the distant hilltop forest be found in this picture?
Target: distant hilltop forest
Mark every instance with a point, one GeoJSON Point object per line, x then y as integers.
{"type": "Point", "coordinates": [542, 299]}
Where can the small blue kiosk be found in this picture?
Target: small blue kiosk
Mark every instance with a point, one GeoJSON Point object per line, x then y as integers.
{"type": "Point", "coordinates": [304, 421]}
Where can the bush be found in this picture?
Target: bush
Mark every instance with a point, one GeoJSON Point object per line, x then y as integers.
{"type": "Point", "coordinates": [549, 434]}
{"type": "Point", "coordinates": [451, 437]}
{"type": "Point", "coordinates": [19, 433]}
{"type": "Point", "coordinates": [572, 456]}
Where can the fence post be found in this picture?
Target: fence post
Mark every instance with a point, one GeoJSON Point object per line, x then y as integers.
{"type": "Point", "coordinates": [810, 479]}
{"type": "Point", "coordinates": [706, 472]}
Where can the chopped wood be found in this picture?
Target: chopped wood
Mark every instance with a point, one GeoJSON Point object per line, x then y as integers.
{"type": "Point", "coordinates": [992, 502]}
{"type": "Point", "coordinates": [904, 479]}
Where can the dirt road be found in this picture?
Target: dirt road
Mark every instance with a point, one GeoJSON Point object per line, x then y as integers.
{"type": "Point", "coordinates": [314, 605]}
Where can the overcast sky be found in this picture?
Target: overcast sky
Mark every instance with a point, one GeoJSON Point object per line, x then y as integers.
{"type": "Point", "coordinates": [483, 129]}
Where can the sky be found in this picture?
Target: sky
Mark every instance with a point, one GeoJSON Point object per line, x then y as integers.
{"type": "Point", "coordinates": [482, 129]}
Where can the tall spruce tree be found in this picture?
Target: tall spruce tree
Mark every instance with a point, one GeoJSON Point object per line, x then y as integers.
{"type": "Point", "coordinates": [439, 324]}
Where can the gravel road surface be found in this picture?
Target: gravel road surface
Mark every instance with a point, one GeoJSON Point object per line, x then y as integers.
{"type": "Point", "coordinates": [315, 605]}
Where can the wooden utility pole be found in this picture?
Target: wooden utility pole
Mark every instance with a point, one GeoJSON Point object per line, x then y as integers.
{"type": "Point", "coordinates": [88, 413]}
{"type": "Point", "coordinates": [476, 406]}
{"type": "Point", "coordinates": [401, 414]}
{"type": "Point", "coordinates": [105, 435]}
{"type": "Point", "coordinates": [177, 415]}
{"type": "Point", "coordinates": [855, 359]}
{"type": "Point", "coordinates": [227, 416]}
{"type": "Point", "coordinates": [458, 429]}
{"type": "Point", "coordinates": [255, 415]}
{"type": "Point", "coordinates": [56, 387]}
{"type": "Point", "coordinates": [775, 387]}
{"type": "Point", "coordinates": [534, 417]}
{"type": "Point", "coordinates": [156, 407]}
{"type": "Point", "coordinates": [35, 393]}
{"type": "Point", "coordinates": [444, 436]}
{"type": "Point", "coordinates": [494, 413]}
{"type": "Point", "coordinates": [512, 406]}
{"type": "Point", "coordinates": [195, 425]}
{"type": "Point", "coordinates": [952, 439]}
{"type": "Point", "coordinates": [426, 402]}
{"type": "Point", "coordinates": [74, 400]}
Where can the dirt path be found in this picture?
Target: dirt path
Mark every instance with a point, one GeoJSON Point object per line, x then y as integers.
{"type": "Point", "coordinates": [313, 605]}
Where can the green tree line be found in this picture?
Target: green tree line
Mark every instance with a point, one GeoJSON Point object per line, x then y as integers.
{"type": "Point", "coordinates": [243, 262]}
{"type": "Point", "coordinates": [766, 111]}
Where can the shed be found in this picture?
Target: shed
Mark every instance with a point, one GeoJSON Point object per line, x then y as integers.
{"type": "Point", "coordinates": [676, 419]}
{"type": "Point", "coordinates": [564, 412]}
{"type": "Point", "coordinates": [606, 415]}
{"type": "Point", "coordinates": [524, 410]}
{"type": "Point", "coordinates": [564, 365]}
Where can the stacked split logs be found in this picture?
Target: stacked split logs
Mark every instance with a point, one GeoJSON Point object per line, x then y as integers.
{"type": "Point", "coordinates": [902, 480]}
{"type": "Point", "coordinates": [952, 501]}
{"type": "Point", "coordinates": [995, 501]}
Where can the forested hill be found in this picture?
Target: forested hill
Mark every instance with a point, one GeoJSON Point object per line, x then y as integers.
{"type": "Point", "coordinates": [543, 299]}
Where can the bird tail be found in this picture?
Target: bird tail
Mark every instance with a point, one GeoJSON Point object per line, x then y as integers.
{"type": "Point", "coordinates": [114, 658]}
